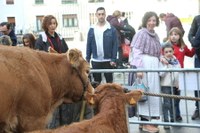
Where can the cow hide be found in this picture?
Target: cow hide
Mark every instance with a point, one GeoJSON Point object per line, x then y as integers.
{"type": "Point", "coordinates": [33, 83]}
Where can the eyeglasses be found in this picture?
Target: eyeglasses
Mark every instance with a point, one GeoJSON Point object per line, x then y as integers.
{"type": "Point", "coordinates": [170, 51]}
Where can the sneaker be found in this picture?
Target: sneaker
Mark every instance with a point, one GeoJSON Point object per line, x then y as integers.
{"type": "Point", "coordinates": [140, 126]}
{"type": "Point", "coordinates": [179, 118]}
{"type": "Point", "coordinates": [166, 127]}
{"type": "Point", "coordinates": [150, 128]}
{"type": "Point", "coordinates": [195, 115]}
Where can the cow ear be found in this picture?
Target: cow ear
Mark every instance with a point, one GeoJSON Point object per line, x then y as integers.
{"type": "Point", "coordinates": [133, 96]}
{"type": "Point", "coordinates": [75, 56]}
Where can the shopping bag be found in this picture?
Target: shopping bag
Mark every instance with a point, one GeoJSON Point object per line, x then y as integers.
{"type": "Point", "coordinates": [125, 50]}
{"type": "Point", "coordinates": [138, 84]}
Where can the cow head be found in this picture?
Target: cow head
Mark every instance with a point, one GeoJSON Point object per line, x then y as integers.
{"type": "Point", "coordinates": [82, 68]}
{"type": "Point", "coordinates": [108, 89]}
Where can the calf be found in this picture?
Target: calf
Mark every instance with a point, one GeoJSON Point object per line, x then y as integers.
{"type": "Point", "coordinates": [109, 101]}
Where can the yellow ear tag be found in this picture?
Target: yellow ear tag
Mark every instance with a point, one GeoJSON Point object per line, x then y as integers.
{"type": "Point", "coordinates": [132, 101]}
{"type": "Point", "coordinates": [92, 101]}
{"type": "Point", "coordinates": [72, 62]}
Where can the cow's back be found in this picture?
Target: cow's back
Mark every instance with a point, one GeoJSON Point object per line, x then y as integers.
{"type": "Point", "coordinates": [24, 83]}
{"type": "Point", "coordinates": [34, 83]}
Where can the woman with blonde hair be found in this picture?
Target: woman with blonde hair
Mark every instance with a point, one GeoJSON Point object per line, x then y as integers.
{"type": "Point", "coordinates": [116, 21]}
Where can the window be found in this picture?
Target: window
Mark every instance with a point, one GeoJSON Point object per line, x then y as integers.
{"type": "Point", "coordinates": [92, 18]}
{"type": "Point", "coordinates": [39, 1]}
{"type": "Point", "coordinates": [70, 20]}
{"type": "Point", "coordinates": [95, 1]}
{"type": "Point", "coordinates": [68, 1]}
{"type": "Point", "coordinates": [9, 2]}
{"type": "Point", "coordinates": [11, 20]}
{"type": "Point", "coordinates": [39, 22]}
{"type": "Point", "coordinates": [129, 15]}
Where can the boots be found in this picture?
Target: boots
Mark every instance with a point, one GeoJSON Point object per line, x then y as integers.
{"type": "Point", "coordinates": [196, 112]}
{"type": "Point", "coordinates": [195, 115]}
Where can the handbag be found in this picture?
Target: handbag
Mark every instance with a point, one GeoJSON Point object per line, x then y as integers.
{"type": "Point", "coordinates": [125, 50]}
{"type": "Point", "coordinates": [138, 84]}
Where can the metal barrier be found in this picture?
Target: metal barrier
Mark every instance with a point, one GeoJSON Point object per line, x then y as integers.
{"type": "Point", "coordinates": [121, 76]}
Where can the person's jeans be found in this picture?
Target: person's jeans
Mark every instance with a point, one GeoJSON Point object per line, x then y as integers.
{"type": "Point", "coordinates": [121, 59]}
{"type": "Point", "coordinates": [102, 65]}
{"type": "Point", "coordinates": [196, 65]}
{"type": "Point", "coordinates": [197, 94]}
{"type": "Point", "coordinates": [67, 113]}
{"type": "Point", "coordinates": [176, 103]}
{"type": "Point", "coordinates": [196, 62]}
{"type": "Point", "coordinates": [167, 106]}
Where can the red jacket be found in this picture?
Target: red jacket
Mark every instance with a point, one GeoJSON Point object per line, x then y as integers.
{"type": "Point", "coordinates": [181, 53]}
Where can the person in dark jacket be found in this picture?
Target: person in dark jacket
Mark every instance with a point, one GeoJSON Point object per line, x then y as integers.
{"type": "Point", "coordinates": [191, 35]}
{"type": "Point", "coordinates": [196, 43]}
{"type": "Point", "coordinates": [194, 38]}
{"type": "Point", "coordinates": [102, 44]}
{"type": "Point", "coordinates": [6, 29]}
{"type": "Point", "coordinates": [171, 21]}
{"type": "Point", "coordinates": [124, 31]}
{"type": "Point", "coordinates": [51, 41]}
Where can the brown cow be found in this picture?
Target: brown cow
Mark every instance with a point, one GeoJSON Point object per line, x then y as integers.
{"type": "Point", "coordinates": [34, 83]}
{"type": "Point", "coordinates": [111, 117]}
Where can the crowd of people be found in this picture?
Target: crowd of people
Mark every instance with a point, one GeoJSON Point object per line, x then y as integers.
{"type": "Point", "coordinates": [104, 51]}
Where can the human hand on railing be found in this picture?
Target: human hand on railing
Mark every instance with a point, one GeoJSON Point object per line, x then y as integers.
{"type": "Point", "coordinates": [113, 64]}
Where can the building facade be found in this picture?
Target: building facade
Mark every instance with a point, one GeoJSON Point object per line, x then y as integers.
{"type": "Point", "coordinates": [76, 16]}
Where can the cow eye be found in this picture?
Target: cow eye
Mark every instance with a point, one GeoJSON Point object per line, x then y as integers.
{"type": "Point", "coordinates": [87, 71]}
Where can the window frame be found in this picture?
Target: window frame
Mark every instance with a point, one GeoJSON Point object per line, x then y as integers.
{"type": "Point", "coordinates": [95, 1]}
{"type": "Point", "coordinates": [12, 22]}
{"type": "Point", "coordinates": [68, 1]}
{"type": "Point", "coordinates": [70, 20]}
{"type": "Point", "coordinates": [9, 2]}
{"type": "Point", "coordinates": [39, 20]}
{"type": "Point", "coordinates": [39, 2]}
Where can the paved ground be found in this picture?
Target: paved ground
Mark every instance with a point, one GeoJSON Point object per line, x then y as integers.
{"type": "Point", "coordinates": [134, 129]}
{"type": "Point", "coordinates": [185, 106]}
{"type": "Point", "coordinates": [173, 129]}
{"type": "Point", "coordinates": [189, 107]}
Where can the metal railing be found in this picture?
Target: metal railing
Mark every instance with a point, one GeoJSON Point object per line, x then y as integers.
{"type": "Point", "coordinates": [121, 76]}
